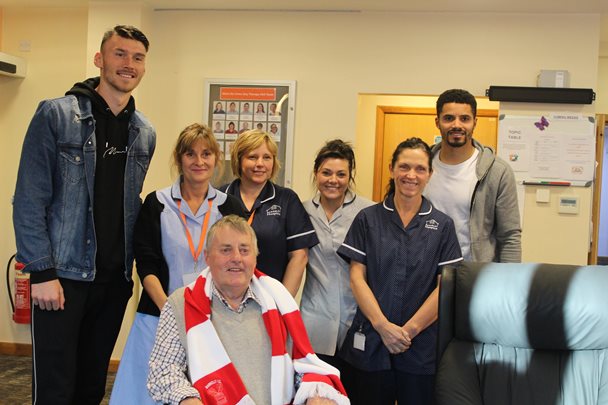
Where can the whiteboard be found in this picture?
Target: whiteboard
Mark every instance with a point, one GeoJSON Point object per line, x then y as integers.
{"type": "Point", "coordinates": [549, 148]}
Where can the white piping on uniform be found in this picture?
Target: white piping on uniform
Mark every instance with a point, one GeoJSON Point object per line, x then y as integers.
{"type": "Point", "coordinates": [450, 261]}
{"type": "Point", "coordinates": [428, 212]}
{"type": "Point", "coordinates": [353, 249]}
{"type": "Point", "coordinates": [300, 234]}
{"type": "Point", "coordinates": [271, 197]}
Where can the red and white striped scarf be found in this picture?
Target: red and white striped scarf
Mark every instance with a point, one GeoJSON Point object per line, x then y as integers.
{"type": "Point", "coordinates": [213, 374]}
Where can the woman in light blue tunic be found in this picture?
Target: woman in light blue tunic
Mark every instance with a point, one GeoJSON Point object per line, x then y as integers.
{"type": "Point", "coordinates": [168, 239]}
{"type": "Point", "coordinates": [328, 305]}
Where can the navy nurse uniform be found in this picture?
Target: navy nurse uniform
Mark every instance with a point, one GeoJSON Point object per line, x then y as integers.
{"type": "Point", "coordinates": [402, 265]}
{"type": "Point", "coordinates": [281, 225]}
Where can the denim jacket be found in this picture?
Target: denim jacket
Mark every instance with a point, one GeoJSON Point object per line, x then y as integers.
{"type": "Point", "coordinates": [53, 202]}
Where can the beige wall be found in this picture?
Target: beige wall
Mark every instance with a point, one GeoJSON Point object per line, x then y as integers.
{"type": "Point", "coordinates": [601, 102]}
{"type": "Point", "coordinates": [517, 64]}
{"type": "Point", "coordinates": [334, 57]}
{"type": "Point", "coordinates": [551, 237]}
{"type": "Point", "coordinates": [55, 62]}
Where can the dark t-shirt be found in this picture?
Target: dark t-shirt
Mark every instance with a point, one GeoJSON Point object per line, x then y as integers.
{"type": "Point", "coordinates": [111, 135]}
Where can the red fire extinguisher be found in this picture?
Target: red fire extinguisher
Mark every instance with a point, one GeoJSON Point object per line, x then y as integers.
{"type": "Point", "coordinates": [21, 305]}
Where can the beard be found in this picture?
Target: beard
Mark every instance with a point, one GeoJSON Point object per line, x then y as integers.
{"type": "Point", "coordinates": [464, 138]}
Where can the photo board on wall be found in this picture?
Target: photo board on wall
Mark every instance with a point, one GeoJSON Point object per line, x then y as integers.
{"type": "Point", "coordinates": [233, 106]}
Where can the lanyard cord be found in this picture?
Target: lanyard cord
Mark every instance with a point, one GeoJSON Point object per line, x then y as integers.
{"type": "Point", "coordinates": [196, 254]}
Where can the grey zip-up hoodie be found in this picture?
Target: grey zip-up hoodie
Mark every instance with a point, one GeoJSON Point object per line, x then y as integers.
{"type": "Point", "coordinates": [494, 223]}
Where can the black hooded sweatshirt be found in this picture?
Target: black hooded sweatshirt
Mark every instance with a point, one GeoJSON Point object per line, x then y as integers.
{"type": "Point", "coordinates": [111, 134]}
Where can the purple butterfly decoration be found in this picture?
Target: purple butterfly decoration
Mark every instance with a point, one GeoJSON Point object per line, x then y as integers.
{"type": "Point", "coordinates": [542, 123]}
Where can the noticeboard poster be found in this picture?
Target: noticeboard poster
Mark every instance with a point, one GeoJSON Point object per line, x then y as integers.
{"type": "Point", "coordinates": [550, 148]}
{"type": "Point", "coordinates": [235, 106]}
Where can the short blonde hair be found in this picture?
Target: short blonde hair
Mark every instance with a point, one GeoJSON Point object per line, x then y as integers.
{"type": "Point", "coordinates": [249, 141]}
{"type": "Point", "coordinates": [190, 136]}
{"type": "Point", "coordinates": [235, 223]}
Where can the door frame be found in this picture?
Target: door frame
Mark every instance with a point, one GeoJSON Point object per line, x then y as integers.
{"type": "Point", "coordinates": [600, 120]}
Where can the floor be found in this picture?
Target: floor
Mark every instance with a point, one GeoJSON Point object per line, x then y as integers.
{"type": "Point", "coordinates": [16, 381]}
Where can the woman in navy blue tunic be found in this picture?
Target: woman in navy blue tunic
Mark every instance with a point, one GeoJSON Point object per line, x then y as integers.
{"type": "Point", "coordinates": [276, 214]}
{"type": "Point", "coordinates": [395, 249]}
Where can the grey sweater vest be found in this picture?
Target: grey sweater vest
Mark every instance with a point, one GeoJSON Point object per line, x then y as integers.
{"type": "Point", "coordinates": [245, 339]}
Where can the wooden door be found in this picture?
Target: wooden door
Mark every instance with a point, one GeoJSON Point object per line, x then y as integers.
{"type": "Point", "coordinates": [396, 124]}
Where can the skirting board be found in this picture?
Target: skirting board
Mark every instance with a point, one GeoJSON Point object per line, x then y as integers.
{"type": "Point", "coordinates": [23, 349]}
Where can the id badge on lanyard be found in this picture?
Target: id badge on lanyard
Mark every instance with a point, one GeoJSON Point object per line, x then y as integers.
{"type": "Point", "coordinates": [359, 340]}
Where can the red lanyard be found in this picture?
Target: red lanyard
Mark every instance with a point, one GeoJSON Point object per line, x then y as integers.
{"type": "Point", "coordinates": [196, 254]}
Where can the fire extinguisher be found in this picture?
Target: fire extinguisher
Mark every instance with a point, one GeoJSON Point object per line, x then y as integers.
{"type": "Point", "coordinates": [21, 306]}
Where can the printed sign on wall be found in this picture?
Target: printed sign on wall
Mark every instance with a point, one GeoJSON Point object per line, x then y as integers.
{"type": "Point", "coordinates": [235, 106]}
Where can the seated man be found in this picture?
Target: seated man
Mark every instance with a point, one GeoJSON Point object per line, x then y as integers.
{"type": "Point", "coordinates": [223, 338]}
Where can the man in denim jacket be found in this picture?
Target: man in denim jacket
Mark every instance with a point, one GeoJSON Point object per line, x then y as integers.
{"type": "Point", "coordinates": [82, 168]}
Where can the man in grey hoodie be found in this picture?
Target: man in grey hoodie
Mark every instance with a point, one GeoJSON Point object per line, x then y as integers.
{"type": "Point", "coordinates": [472, 185]}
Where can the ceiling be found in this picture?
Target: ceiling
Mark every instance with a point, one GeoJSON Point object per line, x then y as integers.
{"type": "Point", "coordinates": [451, 6]}
{"type": "Point", "coordinates": [514, 6]}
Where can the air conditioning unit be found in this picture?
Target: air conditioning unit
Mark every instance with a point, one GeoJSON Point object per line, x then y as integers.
{"type": "Point", "coordinates": [12, 65]}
